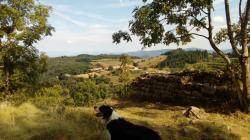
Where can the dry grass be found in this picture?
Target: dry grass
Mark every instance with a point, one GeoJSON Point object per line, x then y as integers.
{"type": "Point", "coordinates": [27, 122]}
{"type": "Point", "coordinates": [151, 62]}
{"type": "Point", "coordinates": [107, 62]}
{"type": "Point", "coordinates": [170, 123]}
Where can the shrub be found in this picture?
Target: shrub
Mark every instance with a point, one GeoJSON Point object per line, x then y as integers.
{"type": "Point", "coordinates": [101, 79]}
{"type": "Point", "coordinates": [136, 64]}
{"type": "Point", "coordinates": [88, 92]}
{"type": "Point", "coordinates": [51, 96]}
{"type": "Point", "coordinates": [121, 91]}
{"type": "Point", "coordinates": [110, 68]}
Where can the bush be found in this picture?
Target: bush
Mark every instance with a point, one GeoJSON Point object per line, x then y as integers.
{"type": "Point", "coordinates": [51, 96]}
{"type": "Point", "coordinates": [101, 79]}
{"type": "Point", "coordinates": [136, 64]}
{"type": "Point", "coordinates": [110, 68]}
{"type": "Point", "coordinates": [88, 92]}
{"type": "Point", "coordinates": [121, 91]}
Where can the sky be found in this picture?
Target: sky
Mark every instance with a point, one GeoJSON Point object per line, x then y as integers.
{"type": "Point", "coordinates": [86, 27]}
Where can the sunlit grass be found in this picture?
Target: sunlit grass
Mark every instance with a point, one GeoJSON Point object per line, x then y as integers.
{"type": "Point", "coordinates": [27, 122]}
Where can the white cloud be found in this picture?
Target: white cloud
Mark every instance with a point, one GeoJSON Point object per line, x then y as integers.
{"type": "Point", "coordinates": [123, 4]}
{"type": "Point", "coordinates": [69, 19]}
{"type": "Point", "coordinates": [67, 9]}
{"type": "Point", "coordinates": [219, 19]}
{"type": "Point", "coordinates": [96, 39]}
{"type": "Point", "coordinates": [69, 42]}
{"type": "Point", "coordinates": [100, 26]}
{"type": "Point", "coordinates": [218, 2]}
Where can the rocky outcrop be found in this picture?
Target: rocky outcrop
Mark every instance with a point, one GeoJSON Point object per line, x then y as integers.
{"type": "Point", "coordinates": [194, 113]}
{"type": "Point", "coordinates": [185, 88]}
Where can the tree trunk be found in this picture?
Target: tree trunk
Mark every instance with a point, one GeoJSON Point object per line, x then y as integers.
{"type": "Point", "coordinates": [7, 82]}
{"type": "Point", "coordinates": [236, 85]}
{"type": "Point", "coordinates": [246, 83]}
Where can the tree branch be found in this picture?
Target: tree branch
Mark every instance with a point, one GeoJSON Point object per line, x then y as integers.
{"type": "Point", "coordinates": [240, 12]}
{"type": "Point", "coordinates": [211, 41]}
{"type": "Point", "coordinates": [229, 29]}
{"type": "Point", "coordinates": [204, 26]}
{"type": "Point", "coordinates": [200, 35]}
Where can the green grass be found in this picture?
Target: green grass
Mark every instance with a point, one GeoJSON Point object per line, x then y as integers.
{"type": "Point", "coordinates": [27, 122]}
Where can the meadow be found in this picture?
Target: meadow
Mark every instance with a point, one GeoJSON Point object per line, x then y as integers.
{"type": "Point", "coordinates": [28, 122]}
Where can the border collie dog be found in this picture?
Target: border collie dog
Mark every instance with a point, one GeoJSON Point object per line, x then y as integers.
{"type": "Point", "coordinates": [120, 129]}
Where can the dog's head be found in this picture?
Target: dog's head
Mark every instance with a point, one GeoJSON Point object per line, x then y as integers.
{"type": "Point", "coordinates": [104, 111]}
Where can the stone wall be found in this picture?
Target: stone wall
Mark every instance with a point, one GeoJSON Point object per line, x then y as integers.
{"type": "Point", "coordinates": [185, 88]}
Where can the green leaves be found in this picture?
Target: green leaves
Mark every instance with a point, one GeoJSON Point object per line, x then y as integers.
{"type": "Point", "coordinates": [22, 23]}
{"type": "Point", "coordinates": [222, 35]}
{"type": "Point", "coordinates": [26, 18]}
{"type": "Point", "coordinates": [121, 35]}
{"type": "Point", "coordinates": [168, 21]}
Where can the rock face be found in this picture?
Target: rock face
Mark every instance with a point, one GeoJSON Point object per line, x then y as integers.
{"type": "Point", "coordinates": [191, 88]}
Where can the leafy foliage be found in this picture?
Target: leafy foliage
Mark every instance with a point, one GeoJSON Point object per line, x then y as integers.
{"type": "Point", "coordinates": [121, 35]}
{"type": "Point", "coordinates": [153, 22]}
{"type": "Point", "coordinates": [88, 92]}
{"type": "Point", "coordinates": [124, 69]}
{"type": "Point", "coordinates": [23, 23]}
{"type": "Point", "coordinates": [51, 96]}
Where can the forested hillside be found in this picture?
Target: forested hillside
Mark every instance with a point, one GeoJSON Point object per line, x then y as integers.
{"type": "Point", "coordinates": [179, 58]}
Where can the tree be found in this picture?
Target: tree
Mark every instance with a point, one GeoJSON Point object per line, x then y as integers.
{"type": "Point", "coordinates": [125, 73]}
{"type": "Point", "coordinates": [22, 23]}
{"type": "Point", "coordinates": [179, 21]}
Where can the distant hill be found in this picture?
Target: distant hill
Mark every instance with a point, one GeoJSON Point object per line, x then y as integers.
{"type": "Point", "coordinates": [153, 53]}
{"type": "Point", "coordinates": [146, 54]}
{"type": "Point", "coordinates": [74, 65]}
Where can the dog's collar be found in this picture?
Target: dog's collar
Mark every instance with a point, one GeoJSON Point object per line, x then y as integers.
{"type": "Point", "coordinates": [114, 116]}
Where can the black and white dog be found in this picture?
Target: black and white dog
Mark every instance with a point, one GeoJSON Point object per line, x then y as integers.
{"type": "Point", "coordinates": [121, 129]}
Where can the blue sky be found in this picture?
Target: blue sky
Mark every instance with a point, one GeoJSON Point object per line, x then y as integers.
{"type": "Point", "coordinates": [86, 26]}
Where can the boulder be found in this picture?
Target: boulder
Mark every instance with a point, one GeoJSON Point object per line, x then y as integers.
{"type": "Point", "coordinates": [194, 113]}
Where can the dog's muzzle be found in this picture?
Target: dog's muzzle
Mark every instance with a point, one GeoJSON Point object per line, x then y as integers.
{"type": "Point", "coordinates": [98, 113]}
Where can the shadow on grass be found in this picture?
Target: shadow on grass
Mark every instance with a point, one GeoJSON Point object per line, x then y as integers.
{"type": "Point", "coordinates": [177, 106]}
{"type": "Point", "coordinates": [189, 130]}
{"type": "Point", "coordinates": [199, 131]}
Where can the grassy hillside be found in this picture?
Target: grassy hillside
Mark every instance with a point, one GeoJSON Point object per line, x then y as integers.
{"type": "Point", "coordinates": [29, 122]}
{"type": "Point", "coordinates": [107, 62]}
{"type": "Point", "coordinates": [151, 62]}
